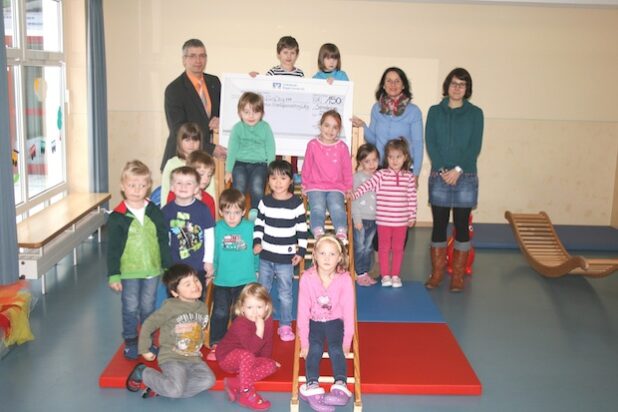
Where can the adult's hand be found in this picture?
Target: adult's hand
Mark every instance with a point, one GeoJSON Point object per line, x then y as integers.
{"type": "Point", "coordinates": [358, 122]}
{"type": "Point", "coordinates": [220, 152]}
{"type": "Point", "coordinates": [214, 123]}
{"type": "Point", "coordinates": [451, 177]}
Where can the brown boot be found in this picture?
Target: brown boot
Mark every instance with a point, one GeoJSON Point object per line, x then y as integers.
{"type": "Point", "coordinates": [438, 264]}
{"type": "Point", "coordinates": [459, 268]}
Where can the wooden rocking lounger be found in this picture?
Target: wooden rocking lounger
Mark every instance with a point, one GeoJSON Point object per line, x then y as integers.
{"type": "Point", "coordinates": [544, 251]}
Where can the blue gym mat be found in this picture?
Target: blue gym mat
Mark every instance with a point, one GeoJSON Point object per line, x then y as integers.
{"type": "Point", "coordinates": [411, 303]}
{"type": "Point", "coordinates": [584, 238]}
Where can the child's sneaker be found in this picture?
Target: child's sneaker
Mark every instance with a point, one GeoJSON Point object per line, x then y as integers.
{"type": "Point", "coordinates": [387, 281]}
{"type": "Point", "coordinates": [285, 333]}
{"type": "Point", "coordinates": [231, 388]}
{"type": "Point", "coordinates": [342, 236]}
{"type": "Point", "coordinates": [134, 381]}
{"type": "Point", "coordinates": [149, 393]}
{"type": "Point", "coordinates": [365, 280]}
{"type": "Point", "coordinates": [397, 282]}
{"type": "Point", "coordinates": [130, 349]}
{"type": "Point", "coordinates": [314, 396]}
{"type": "Point", "coordinates": [318, 232]}
{"type": "Point", "coordinates": [252, 400]}
{"type": "Point", "coordinates": [339, 395]}
{"type": "Point", "coordinates": [212, 356]}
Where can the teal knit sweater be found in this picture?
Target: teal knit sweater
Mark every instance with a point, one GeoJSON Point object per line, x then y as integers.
{"type": "Point", "coordinates": [454, 136]}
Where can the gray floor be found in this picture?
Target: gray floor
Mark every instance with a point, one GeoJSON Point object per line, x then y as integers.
{"type": "Point", "coordinates": [536, 344]}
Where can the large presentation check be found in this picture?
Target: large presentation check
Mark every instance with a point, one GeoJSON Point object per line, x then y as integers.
{"type": "Point", "coordinates": [293, 107]}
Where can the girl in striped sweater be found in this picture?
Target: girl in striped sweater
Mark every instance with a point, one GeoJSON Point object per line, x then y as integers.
{"type": "Point", "coordinates": [395, 188]}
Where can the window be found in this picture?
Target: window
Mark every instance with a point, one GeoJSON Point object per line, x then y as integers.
{"type": "Point", "coordinates": [36, 83]}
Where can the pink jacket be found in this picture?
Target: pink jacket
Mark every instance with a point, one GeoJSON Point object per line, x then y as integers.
{"type": "Point", "coordinates": [319, 304]}
{"type": "Point", "coordinates": [327, 167]}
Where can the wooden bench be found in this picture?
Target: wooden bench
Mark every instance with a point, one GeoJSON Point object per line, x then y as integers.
{"type": "Point", "coordinates": [544, 251]}
{"type": "Point", "coordinates": [49, 235]}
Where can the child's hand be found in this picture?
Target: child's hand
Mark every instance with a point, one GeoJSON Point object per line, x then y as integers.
{"type": "Point", "coordinates": [296, 260]}
{"type": "Point", "coordinates": [257, 249]}
{"type": "Point", "coordinates": [330, 80]}
{"type": "Point", "coordinates": [209, 278]}
{"type": "Point", "coordinates": [149, 356]}
{"type": "Point", "coordinates": [349, 195]}
{"type": "Point", "coordinates": [304, 352]}
{"type": "Point", "coordinates": [209, 269]}
{"type": "Point", "coordinates": [358, 226]}
{"type": "Point", "coordinates": [411, 222]}
{"type": "Point", "coordinates": [228, 177]}
{"type": "Point", "coordinates": [259, 326]}
{"type": "Point", "coordinates": [253, 74]}
{"type": "Point", "coordinates": [278, 364]}
{"type": "Point", "coordinates": [116, 287]}
{"type": "Point", "coordinates": [346, 351]}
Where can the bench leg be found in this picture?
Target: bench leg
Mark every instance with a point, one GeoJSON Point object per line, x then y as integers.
{"type": "Point", "coordinates": [43, 291]}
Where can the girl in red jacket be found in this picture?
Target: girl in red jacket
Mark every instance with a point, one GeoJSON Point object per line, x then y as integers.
{"type": "Point", "coordinates": [247, 346]}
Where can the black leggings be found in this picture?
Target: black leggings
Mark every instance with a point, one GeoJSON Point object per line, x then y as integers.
{"type": "Point", "coordinates": [461, 215]}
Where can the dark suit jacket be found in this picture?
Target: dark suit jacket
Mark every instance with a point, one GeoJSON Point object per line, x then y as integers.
{"type": "Point", "coordinates": [182, 104]}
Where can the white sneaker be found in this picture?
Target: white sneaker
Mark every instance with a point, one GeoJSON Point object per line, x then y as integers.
{"type": "Point", "coordinates": [386, 281]}
{"type": "Point", "coordinates": [397, 282]}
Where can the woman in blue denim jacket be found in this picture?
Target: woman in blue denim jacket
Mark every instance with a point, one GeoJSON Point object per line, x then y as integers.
{"type": "Point", "coordinates": [454, 135]}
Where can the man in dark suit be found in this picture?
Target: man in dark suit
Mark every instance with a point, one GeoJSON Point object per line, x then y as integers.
{"type": "Point", "coordinates": [194, 96]}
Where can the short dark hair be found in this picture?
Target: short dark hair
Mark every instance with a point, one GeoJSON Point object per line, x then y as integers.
{"type": "Point", "coordinates": [192, 43]}
{"type": "Point", "coordinates": [231, 197]}
{"type": "Point", "coordinates": [287, 42]}
{"type": "Point", "coordinates": [176, 273]}
{"type": "Point", "coordinates": [186, 171]}
{"type": "Point", "coordinates": [398, 144]}
{"type": "Point", "coordinates": [463, 75]}
{"type": "Point", "coordinates": [328, 50]}
{"type": "Point", "coordinates": [280, 167]}
{"type": "Point", "coordinates": [404, 79]}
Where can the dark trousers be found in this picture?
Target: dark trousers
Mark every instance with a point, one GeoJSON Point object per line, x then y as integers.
{"type": "Point", "coordinates": [332, 333]}
{"type": "Point", "coordinates": [440, 214]}
{"type": "Point", "coordinates": [223, 299]}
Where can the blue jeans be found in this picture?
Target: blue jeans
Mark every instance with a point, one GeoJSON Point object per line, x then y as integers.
{"type": "Point", "coordinates": [250, 177]}
{"type": "Point", "coordinates": [334, 202]}
{"type": "Point", "coordinates": [363, 246]}
{"type": "Point", "coordinates": [138, 302]}
{"type": "Point", "coordinates": [331, 332]}
{"type": "Point", "coordinates": [284, 272]}
{"type": "Point", "coordinates": [224, 298]}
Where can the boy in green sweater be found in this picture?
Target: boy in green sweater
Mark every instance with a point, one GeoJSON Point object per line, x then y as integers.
{"type": "Point", "coordinates": [137, 251]}
{"type": "Point", "coordinates": [182, 320]}
{"type": "Point", "coordinates": [250, 149]}
{"type": "Point", "coordinates": [235, 264]}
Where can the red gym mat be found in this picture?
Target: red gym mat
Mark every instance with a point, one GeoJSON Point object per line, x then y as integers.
{"type": "Point", "coordinates": [395, 358]}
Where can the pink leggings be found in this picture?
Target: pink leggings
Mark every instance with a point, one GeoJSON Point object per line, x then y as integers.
{"type": "Point", "coordinates": [250, 368]}
{"type": "Point", "coordinates": [391, 239]}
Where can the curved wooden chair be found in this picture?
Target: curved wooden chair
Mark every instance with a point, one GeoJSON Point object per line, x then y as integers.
{"type": "Point", "coordinates": [544, 251]}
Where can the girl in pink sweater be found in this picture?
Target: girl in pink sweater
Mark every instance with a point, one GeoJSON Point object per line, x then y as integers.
{"type": "Point", "coordinates": [327, 176]}
{"type": "Point", "coordinates": [246, 348]}
{"type": "Point", "coordinates": [395, 188]}
{"type": "Point", "coordinates": [326, 313]}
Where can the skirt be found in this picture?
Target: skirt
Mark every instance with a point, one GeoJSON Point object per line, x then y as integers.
{"type": "Point", "coordinates": [464, 194]}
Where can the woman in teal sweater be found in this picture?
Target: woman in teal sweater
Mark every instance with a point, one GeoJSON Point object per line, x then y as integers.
{"type": "Point", "coordinates": [453, 135]}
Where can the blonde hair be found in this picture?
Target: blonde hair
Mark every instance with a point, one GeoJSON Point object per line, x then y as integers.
{"type": "Point", "coordinates": [342, 266]}
{"type": "Point", "coordinates": [135, 168]}
{"type": "Point", "coordinates": [257, 291]}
